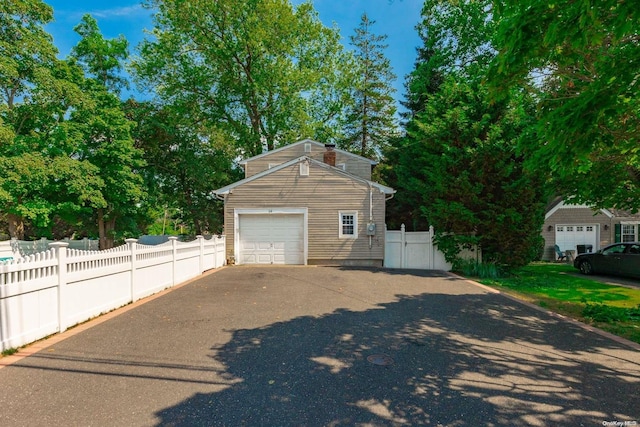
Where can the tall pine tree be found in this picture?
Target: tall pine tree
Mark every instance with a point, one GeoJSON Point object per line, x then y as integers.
{"type": "Point", "coordinates": [370, 120]}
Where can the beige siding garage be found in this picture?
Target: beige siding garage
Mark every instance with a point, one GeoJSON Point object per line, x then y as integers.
{"type": "Point", "coordinates": [325, 193]}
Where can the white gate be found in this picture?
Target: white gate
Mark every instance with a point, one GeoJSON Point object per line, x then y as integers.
{"type": "Point", "coordinates": [414, 249]}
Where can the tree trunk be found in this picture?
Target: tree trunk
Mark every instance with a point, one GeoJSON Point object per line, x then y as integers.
{"type": "Point", "coordinates": [16, 226]}
{"type": "Point", "coordinates": [105, 230]}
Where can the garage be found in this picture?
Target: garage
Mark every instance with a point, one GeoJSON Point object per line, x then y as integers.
{"type": "Point", "coordinates": [271, 238]}
{"type": "Point", "coordinates": [568, 237]}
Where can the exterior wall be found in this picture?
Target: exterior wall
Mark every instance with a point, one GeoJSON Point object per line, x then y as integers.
{"type": "Point", "coordinates": [354, 165]}
{"type": "Point", "coordinates": [324, 193]}
{"type": "Point", "coordinates": [568, 215]}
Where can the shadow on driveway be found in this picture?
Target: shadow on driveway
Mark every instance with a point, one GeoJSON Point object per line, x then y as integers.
{"type": "Point", "coordinates": [459, 358]}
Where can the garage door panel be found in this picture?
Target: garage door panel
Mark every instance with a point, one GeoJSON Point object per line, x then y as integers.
{"type": "Point", "coordinates": [568, 237]}
{"type": "Point", "coordinates": [271, 238]}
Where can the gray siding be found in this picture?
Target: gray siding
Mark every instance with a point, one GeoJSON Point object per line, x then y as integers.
{"type": "Point", "coordinates": [353, 164]}
{"type": "Point", "coordinates": [324, 192]}
{"type": "Point", "coordinates": [572, 216]}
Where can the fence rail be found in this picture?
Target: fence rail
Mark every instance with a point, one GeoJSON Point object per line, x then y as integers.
{"type": "Point", "coordinates": [49, 291]}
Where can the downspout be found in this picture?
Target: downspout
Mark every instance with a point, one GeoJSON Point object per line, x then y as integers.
{"type": "Point", "coordinates": [370, 213]}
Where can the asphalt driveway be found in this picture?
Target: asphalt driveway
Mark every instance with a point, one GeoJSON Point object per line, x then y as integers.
{"type": "Point", "coordinates": [325, 346]}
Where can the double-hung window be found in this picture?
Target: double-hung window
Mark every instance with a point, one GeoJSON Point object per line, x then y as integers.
{"type": "Point", "coordinates": [628, 232]}
{"type": "Point", "coordinates": [348, 225]}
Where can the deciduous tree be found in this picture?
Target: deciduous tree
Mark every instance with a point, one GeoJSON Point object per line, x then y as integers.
{"type": "Point", "coordinates": [253, 70]}
{"type": "Point", "coordinates": [582, 61]}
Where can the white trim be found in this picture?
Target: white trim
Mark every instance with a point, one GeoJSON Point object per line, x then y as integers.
{"type": "Point", "coordinates": [269, 211]}
{"type": "Point", "coordinates": [355, 225]}
{"type": "Point", "coordinates": [563, 205]}
{"type": "Point", "coordinates": [342, 166]}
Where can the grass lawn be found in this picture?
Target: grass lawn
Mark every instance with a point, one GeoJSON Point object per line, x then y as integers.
{"type": "Point", "coordinates": [557, 287]}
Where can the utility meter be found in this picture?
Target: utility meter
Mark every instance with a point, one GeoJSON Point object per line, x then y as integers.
{"type": "Point", "coordinates": [371, 229]}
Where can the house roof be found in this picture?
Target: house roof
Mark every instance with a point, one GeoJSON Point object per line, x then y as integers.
{"type": "Point", "coordinates": [306, 141]}
{"type": "Point", "coordinates": [228, 188]}
{"type": "Point", "coordinates": [561, 204]}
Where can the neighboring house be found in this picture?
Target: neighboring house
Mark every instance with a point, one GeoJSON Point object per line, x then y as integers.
{"type": "Point", "coordinates": [305, 203]}
{"type": "Point", "coordinates": [579, 227]}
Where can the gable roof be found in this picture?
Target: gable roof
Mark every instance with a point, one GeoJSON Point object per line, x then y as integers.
{"type": "Point", "coordinates": [560, 204]}
{"type": "Point", "coordinates": [228, 188]}
{"type": "Point", "coordinates": [306, 141]}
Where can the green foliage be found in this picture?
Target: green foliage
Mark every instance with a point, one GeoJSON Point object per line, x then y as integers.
{"type": "Point", "coordinates": [581, 60]}
{"type": "Point", "coordinates": [370, 122]}
{"type": "Point", "coordinates": [460, 167]}
{"type": "Point", "coordinates": [464, 172]}
{"type": "Point", "coordinates": [473, 268]}
{"type": "Point", "coordinates": [9, 351]}
{"type": "Point", "coordinates": [184, 162]}
{"type": "Point", "coordinates": [101, 57]}
{"type": "Point", "coordinates": [608, 314]}
{"type": "Point", "coordinates": [265, 73]}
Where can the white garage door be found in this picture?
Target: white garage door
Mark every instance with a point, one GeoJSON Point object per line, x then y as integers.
{"type": "Point", "coordinates": [271, 239]}
{"type": "Point", "coordinates": [568, 237]}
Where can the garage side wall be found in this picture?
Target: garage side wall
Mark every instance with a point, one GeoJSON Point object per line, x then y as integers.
{"type": "Point", "coordinates": [573, 216]}
{"type": "Point", "coordinates": [325, 193]}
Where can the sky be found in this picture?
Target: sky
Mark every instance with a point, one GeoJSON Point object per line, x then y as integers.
{"type": "Point", "coordinates": [395, 18]}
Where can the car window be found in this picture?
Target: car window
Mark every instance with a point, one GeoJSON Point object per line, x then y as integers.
{"type": "Point", "coordinates": [634, 249]}
{"type": "Point", "coordinates": [615, 249]}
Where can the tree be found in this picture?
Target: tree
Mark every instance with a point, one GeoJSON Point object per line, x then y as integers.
{"type": "Point", "coordinates": [39, 177]}
{"type": "Point", "coordinates": [581, 59]}
{"type": "Point", "coordinates": [460, 166]}
{"type": "Point", "coordinates": [463, 164]}
{"type": "Point", "coordinates": [253, 71]}
{"type": "Point", "coordinates": [100, 57]}
{"type": "Point", "coordinates": [106, 132]}
{"type": "Point", "coordinates": [370, 121]}
{"type": "Point", "coordinates": [183, 164]}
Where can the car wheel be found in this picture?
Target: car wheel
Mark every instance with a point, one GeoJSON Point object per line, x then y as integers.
{"type": "Point", "coordinates": [586, 267]}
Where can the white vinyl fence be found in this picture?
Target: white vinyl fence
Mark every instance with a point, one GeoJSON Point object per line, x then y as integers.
{"type": "Point", "coordinates": [50, 291]}
{"type": "Point", "coordinates": [414, 250]}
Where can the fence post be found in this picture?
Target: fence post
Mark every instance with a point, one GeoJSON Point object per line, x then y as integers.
{"type": "Point", "coordinates": [60, 249]}
{"type": "Point", "coordinates": [403, 246]}
{"type": "Point", "coordinates": [174, 263]}
{"type": "Point", "coordinates": [133, 252]}
{"type": "Point", "coordinates": [201, 242]}
{"type": "Point", "coordinates": [432, 249]}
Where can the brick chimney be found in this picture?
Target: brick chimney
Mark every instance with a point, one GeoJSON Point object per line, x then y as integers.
{"type": "Point", "coordinates": [330, 155]}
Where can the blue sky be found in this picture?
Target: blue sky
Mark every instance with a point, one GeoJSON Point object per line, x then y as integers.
{"type": "Point", "coordinates": [395, 18]}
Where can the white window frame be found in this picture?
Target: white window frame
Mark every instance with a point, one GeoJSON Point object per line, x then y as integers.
{"type": "Point", "coordinates": [630, 235]}
{"type": "Point", "coordinates": [341, 224]}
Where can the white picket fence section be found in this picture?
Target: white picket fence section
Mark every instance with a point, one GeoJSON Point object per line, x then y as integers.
{"type": "Point", "coordinates": [413, 250]}
{"type": "Point", "coordinates": [50, 291]}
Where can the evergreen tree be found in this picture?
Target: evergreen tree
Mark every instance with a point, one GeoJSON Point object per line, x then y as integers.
{"type": "Point", "coordinates": [370, 120]}
{"type": "Point", "coordinates": [460, 166]}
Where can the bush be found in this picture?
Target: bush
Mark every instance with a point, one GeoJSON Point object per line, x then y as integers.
{"type": "Point", "coordinates": [608, 314]}
{"type": "Point", "coordinates": [483, 270]}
